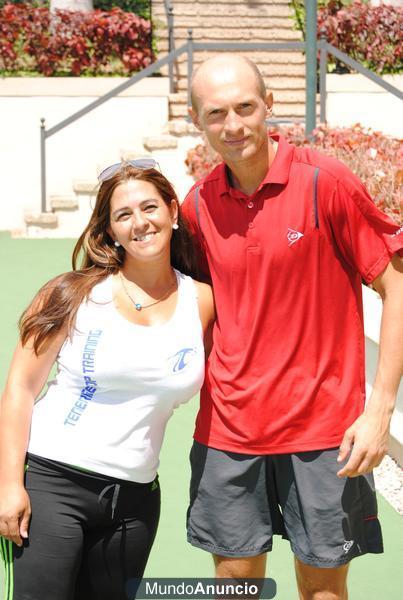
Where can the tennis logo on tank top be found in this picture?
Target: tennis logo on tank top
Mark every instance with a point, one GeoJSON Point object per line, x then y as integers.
{"type": "Point", "coordinates": [181, 359]}
{"type": "Point", "coordinates": [90, 384]}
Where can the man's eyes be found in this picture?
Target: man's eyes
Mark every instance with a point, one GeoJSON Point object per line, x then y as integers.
{"type": "Point", "coordinates": [217, 111]}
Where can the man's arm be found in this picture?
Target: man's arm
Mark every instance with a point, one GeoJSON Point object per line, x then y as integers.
{"type": "Point", "coordinates": [368, 436]}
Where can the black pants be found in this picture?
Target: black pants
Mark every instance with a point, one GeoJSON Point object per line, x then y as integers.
{"type": "Point", "coordinates": [89, 535]}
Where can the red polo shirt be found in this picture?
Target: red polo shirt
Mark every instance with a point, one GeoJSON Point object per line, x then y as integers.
{"type": "Point", "coordinates": [286, 372]}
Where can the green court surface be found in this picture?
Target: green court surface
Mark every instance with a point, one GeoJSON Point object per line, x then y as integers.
{"type": "Point", "coordinates": [25, 265]}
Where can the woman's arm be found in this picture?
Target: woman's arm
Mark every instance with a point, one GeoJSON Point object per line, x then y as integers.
{"type": "Point", "coordinates": [207, 313]}
{"type": "Point", "coordinates": [27, 375]}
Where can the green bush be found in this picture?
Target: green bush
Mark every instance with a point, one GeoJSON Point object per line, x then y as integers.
{"type": "Point", "coordinates": [138, 7]}
{"type": "Point", "coordinates": [369, 34]}
{"type": "Point", "coordinates": [78, 42]}
{"type": "Point", "coordinates": [3, 2]}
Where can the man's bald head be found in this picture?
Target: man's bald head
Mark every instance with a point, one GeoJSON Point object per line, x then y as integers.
{"type": "Point", "coordinates": [217, 67]}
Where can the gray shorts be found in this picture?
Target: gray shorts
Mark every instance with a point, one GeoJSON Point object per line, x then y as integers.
{"type": "Point", "coordinates": [238, 501]}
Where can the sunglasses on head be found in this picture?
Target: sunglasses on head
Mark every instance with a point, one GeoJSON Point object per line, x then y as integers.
{"type": "Point", "coordinates": [138, 163]}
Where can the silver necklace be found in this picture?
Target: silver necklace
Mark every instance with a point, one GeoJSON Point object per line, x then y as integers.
{"type": "Point", "coordinates": [137, 305]}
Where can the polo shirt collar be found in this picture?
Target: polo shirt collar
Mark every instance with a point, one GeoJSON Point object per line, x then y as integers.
{"type": "Point", "coordinates": [278, 173]}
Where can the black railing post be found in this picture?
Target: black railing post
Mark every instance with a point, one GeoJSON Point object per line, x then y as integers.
{"type": "Point", "coordinates": [43, 165]}
{"type": "Point", "coordinates": [311, 65]}
{"type": "Point", "coordinates": [171, 46]}
{"type": "Point", "coordinates": [322, 74]}
{"type": "Point", "coordinates": [190, 63]}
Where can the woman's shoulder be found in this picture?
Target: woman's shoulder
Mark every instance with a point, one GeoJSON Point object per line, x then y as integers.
{"type": "Point", "coordinates": [203, 289]}
{"type": "Point", "coordinates": [205, 298]}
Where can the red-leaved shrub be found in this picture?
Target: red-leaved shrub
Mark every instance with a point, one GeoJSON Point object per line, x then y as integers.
{"type": "Point", "coordinates": [73, 42]}
{"type": "Point", "coordinates": [374, 157]}
{"type": "Point", "coordinates": [372, 35]}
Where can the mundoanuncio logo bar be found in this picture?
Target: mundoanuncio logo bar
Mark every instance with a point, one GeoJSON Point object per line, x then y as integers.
{"type": "Point", "coordinates": [191, 588]}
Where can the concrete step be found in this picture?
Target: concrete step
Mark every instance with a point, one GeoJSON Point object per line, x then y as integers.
{"type": "Point", "coordinates": [133, 154]}
{"type": "Point", "coordinates": [182, 127]}
{"type": "Point", "coordinates": [258, 56]}
{"type": "Point", "coordinates": [88, 187]}
{"type": "Point", "coordinates": [270, 59]}
{"type": "Point", "coordinates": [275, 70]}
{"type": "Point", "coordinates": [162, 142]}
{"type": "Point", "coordinates": [46, 219]}
{"type": "Point", "coordinates": [246, 21]}
{"type": "Point", "coordinates": [224, 33]}
{"type": "Point", "coordinates": [65, 203]}
{"type": "Point", "coordinates": [40, 225]}
{"type": "Point", "coordinates": [73, 213]}
{"type": "Point", "coordinates": [223, 7]}
{"type": "Point", "coordinates": [178, 111]}
{"type": "Point", "coordinates": [291, 111]}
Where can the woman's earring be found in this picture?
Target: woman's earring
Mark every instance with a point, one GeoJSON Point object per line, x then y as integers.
{"type": "Point", "coordinates": [117, 244]}
{"type": "Point", "coordinates": [175, 226]}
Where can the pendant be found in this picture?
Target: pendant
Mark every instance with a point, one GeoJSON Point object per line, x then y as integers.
{"type": "Point", "coordinates": [138, 306]}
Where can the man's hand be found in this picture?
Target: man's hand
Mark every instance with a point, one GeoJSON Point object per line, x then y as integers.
{"type": "Point", "coordinates": [15, 513]}
{"type": "Point", "coordinates": [367, 440]}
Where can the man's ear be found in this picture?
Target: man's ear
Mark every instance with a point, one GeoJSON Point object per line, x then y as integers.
{"type": "Point", "coordinates": [195, 117]}
{"type": "Point", "coordinates": [269, 101]}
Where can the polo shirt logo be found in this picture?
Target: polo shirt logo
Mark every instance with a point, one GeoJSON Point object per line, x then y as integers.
{"type": "Point", "coordinates": [293, 236]}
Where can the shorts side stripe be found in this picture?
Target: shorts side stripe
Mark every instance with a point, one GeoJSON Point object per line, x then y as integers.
{"type": "Point", "coordinates": [4, 565]}
{"type": "Point", "coordinates": [6, 553]}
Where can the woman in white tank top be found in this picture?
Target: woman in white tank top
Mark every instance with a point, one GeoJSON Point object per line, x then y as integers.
{"type": "Point", "coordinates": [126, 330]}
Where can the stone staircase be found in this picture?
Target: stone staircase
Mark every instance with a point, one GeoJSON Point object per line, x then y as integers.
{"type": "Point", "coordinates": [240, 21]}
{"type": "Point", "coordinates": [221, 20]}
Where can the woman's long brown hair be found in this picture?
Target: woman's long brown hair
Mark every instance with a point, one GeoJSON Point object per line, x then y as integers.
{"type": "Point", "coordinates": [55, 306]}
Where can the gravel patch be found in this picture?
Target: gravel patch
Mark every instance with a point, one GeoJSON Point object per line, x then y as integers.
{"type": "Point", "coordinates": [389, 482]}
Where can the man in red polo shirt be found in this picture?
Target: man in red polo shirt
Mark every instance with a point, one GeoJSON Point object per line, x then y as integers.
{"type": "Point", "coordinates": [282, 442]}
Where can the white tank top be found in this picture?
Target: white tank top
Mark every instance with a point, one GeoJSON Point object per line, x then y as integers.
{"type": "Point", "coordinates": [117, 385]}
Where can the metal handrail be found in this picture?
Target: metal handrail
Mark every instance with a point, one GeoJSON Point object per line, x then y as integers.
{"type": "Point", "coordinates": [325, 49]}
{"type": "Point", "coordinates": [190, 47]}
{"type": "Point", "coordinates": [169, 11]}
{"type": "Point", "coordinates": [44, 134]}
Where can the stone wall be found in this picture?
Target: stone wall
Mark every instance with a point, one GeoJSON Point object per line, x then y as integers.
{"type": "Point", "coordinates": [239, 21]}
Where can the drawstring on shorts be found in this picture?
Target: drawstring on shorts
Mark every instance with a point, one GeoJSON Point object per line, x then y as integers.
{"type": "Point", "coordinates": [116, 491]}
